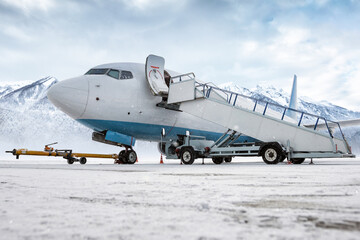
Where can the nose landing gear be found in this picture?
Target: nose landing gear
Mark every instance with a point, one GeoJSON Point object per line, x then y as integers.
{"type": "Point", "coordinates": [127, 156]}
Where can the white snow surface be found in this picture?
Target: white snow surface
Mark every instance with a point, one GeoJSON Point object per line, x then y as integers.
{"type": "Point", "coordinates": [246, 199]}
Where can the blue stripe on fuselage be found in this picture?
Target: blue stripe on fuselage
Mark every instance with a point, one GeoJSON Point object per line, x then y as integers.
{"type": "Point", "coordinates": [151, 132]}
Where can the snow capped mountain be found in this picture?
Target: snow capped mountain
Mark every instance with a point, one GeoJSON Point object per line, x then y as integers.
{"type": "Point", "coordinates": [28, 119]}
{"type": "Point", "coordinates": [30, 94]}
{"type": "Point", "coordinates": [7, 87]}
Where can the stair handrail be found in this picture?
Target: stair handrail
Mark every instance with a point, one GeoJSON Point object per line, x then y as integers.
{"type": "Point", "coordinates": [207, 86]}
{"type": "Point", "coordinates": [207, 89]}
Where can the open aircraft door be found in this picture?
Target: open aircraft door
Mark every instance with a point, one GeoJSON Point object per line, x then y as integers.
{"type": "Point", "coordinates": [154, 70]}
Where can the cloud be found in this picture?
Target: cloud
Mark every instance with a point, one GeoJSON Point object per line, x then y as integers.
{"type": "Point", "coordinates": [149, 5]}
{"type": "Point", "coordinates": [16, 33]}
{"type": "Point", "coordinates": [247, 42]}
{"type": "Point", "coordinates": [30, 5]}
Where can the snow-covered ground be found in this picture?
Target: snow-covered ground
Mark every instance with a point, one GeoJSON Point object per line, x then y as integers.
{"type": "Point", "coordinates": [48, 199]}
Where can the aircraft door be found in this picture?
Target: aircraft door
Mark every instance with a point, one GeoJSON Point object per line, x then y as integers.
{"type": "Point", "coordinates": [154, 70]}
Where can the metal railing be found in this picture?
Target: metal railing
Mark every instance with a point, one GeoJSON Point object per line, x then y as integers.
{"type": "Point", "coordinates": [187, 76]}
{"type": "Point", "coordinates": [232, 98]}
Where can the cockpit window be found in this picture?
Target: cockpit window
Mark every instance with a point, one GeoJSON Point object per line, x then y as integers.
{"type": "Point", "coordinates": [97, 71]}
{"type": "Point", "coordinates": [110, 72]}
{"type": "Point", "coordinates": [113, 73]}
{"type": "Point", "coordinates": [126, 75]}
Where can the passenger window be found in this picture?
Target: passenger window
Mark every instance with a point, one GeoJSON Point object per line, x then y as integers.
{"type": "Point", "coordinates": [113, 73]}
{"type": "Point", "coordinates": [126, 75]}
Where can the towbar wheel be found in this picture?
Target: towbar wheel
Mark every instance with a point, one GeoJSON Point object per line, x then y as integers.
{"type": "Point", "coordinates": [70, 160]}
{"type": "Point", "coordinates": [82, 160]}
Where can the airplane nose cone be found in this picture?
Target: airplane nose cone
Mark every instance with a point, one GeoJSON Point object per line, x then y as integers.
{"type": "Point", "coordinates": [70, 96]}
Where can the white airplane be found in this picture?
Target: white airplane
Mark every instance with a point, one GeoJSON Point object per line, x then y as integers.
{"type": "Point", "coordinates": [122, 102]}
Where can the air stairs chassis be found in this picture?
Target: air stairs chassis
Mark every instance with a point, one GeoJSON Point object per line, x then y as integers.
{"type": "Point", "coordinates": [291, 140]}
{"type": "Point", "coordinates": [226, 147]}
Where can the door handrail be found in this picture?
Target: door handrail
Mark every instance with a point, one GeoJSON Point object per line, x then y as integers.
{"type": "Point", "coordinates": [191, 75]}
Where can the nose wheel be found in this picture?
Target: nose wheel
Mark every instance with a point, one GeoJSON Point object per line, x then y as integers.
{"type": "Point", "coordinates": [131, 157]}
{"type": "Point", "coordinates": [127, 156]}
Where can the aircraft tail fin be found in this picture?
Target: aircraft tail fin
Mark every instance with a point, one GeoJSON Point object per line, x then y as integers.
{"type": "Point", "coordinates": [293, 100]}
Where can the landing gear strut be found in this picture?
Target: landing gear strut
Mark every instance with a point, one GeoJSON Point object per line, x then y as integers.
{"type": "Point", "coordinates": [127, 156]}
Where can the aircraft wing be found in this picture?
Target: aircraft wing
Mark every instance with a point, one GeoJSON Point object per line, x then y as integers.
{"type": "Point", "coordinates": [345, 123]}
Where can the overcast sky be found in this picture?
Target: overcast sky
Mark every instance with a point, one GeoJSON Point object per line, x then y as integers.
{"type": "Point", "coordinates": [247, 42]}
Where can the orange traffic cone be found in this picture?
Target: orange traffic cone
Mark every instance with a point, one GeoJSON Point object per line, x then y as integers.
{"type": "Point", "coordinates": [161, 159]}
{"type": "Point", "coordinates": [137, 160]}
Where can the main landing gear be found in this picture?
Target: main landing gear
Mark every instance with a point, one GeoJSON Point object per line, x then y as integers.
{"type": "Point", "coordinates": [127, 156]}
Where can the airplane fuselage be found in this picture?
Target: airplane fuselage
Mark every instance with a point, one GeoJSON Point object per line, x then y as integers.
{"type": "Point", "coordinates": [126, 106]}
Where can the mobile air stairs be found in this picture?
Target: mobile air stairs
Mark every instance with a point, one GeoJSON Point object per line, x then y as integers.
{"type": "Point", "coordinates": [280, 137]}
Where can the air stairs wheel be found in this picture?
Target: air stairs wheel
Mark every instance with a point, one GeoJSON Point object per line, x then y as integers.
{"type": "Point", "coordinates": [218, 160]}
{"type": "Point", "coordinates": [297, 160]}
{"type": "Point", "coordinates": [271, 154]}
{"type": "Point", "coordinates": [187, 155]}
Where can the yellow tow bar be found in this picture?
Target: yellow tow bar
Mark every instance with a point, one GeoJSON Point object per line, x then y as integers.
{"type": "Point", "coordinates": [65, 153]}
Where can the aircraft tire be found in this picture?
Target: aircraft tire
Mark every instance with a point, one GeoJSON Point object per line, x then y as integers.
{"type": "Point", "coordinates": [82, 160]}
{"type": "Point", "coordinates": [271, 154]}
{"type": "Point", "coordinates": [218, 160]}
{"type": "Point", "coordinates": [131, 157]}
{"type": "Point", "coordinates": [228, 159]}
{"type": "Point", "coordinates": [187, 155]}
{"type": "Point", "coordinates": [297, 160]}
{"type": "Point", "coordinates": [122, 158]}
